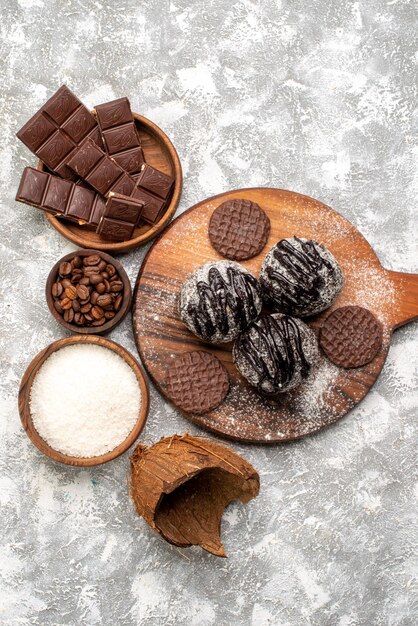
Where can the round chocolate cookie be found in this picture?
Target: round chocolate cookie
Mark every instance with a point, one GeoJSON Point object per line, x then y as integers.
{"type": "Point", "coordinates": [275, 353]}
{"type": "Point", "coordinates": [351, 336]}
{"type": "Point", "coordinates": [239, 229]}
{"type": "Point", "coordinates": [197, 382]}
{"type": "Point", "coordinates": [300, 277]}
{"type": "Point", "coordinates": [219, 300]}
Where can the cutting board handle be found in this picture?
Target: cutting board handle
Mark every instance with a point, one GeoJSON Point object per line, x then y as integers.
{"type": "Point", "coordinates": [407, 306]}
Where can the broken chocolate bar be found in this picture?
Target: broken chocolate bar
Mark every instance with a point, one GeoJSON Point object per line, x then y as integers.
{"type": "Point", "coordinates": [55, 131]}
{"type": "Point", "coordinates": [150, 186]}
{"type": "Point", "coordinates": [120, 135]}
{"type": "Point", "coordinates": [62, 198]}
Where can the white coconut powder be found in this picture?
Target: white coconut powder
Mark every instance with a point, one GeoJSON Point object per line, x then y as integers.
{"type": "Point", "coordinates": [85, 400]}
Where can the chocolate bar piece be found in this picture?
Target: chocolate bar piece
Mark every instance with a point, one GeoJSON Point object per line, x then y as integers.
{"type": "Point", "coordinates": [122, 207]}
{"type": "Point", "coordinates": [55, 131]}
{"type": "Point", "coordinates": [150, 186]}
{"type": "Point", "coordinates": [120, 135]}
{"type": "Point", "coordinates": [62, 198]}
{"type": "Point", "coordinates": [115, 230]}
{"type": "Point", "coordinates": [120, 217]}
{"type": "Point", "coordinates": [153, 189]}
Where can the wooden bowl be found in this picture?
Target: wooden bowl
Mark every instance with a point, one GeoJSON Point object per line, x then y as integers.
{"type": "Point", "coordinates": [160, 153]}
{"type": "Point", "coordinates": [24, 401]}
{"type": "Point", "coordinates": [90, 330]}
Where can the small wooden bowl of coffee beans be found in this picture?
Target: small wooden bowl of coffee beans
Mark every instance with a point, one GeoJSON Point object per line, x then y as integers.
{"type": "Point", "coordinates": [88, 292]}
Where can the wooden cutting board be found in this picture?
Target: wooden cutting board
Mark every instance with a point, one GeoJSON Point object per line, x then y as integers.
{"type": "Point", "coordinates": [330, 392]}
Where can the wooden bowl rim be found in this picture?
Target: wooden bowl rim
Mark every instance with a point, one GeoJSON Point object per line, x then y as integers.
{"type": "Point", "coordinates": [90, 330]}
{"type": "Point", "coordinates": [24, 398]}
{"type": "Point", "coordinates": [126, 246]}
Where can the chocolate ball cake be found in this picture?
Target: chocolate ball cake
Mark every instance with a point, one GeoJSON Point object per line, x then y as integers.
{"type": "Point", "coordinates": [300, 277]}
{"type": "Point", "coordinates": [219, 300]}
{"type": "Point", "coordinates": [276, 353]}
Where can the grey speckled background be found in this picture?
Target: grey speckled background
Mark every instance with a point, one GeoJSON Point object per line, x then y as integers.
{"type": "Point", "coordinates": [317, 97]}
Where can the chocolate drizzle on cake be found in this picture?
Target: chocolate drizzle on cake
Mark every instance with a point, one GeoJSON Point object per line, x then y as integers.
{"type": "Point", "coordinates": [235, 293]}
{"type": "Point", "coordinates": [300, 277]}
{"type": "Point", "coordinates": [273, 348]}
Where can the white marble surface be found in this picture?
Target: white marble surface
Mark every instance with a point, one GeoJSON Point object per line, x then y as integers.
{"type": "Point", "coordinates": [314, 96]}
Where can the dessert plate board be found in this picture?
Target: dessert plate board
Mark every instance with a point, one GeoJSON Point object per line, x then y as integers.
{"type": "Point", "coordinates": [330, 392]}
{"type": "Point", "coordinates": [160, 153]}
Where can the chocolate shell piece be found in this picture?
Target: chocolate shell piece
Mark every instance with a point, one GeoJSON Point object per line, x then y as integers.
{"type": "Point", "coordinates": [300, 277]}
{"type": "Point", "coordinates": [351, 336]}
{"type": "Point", "coordinates": [181, 485]}
{"type": "Point", "coordinates": [219, 300]}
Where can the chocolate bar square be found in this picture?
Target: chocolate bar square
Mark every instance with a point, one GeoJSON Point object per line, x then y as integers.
{"type": "Point", "coordinates": [153, 206]}
{"type": "Point", "coordinates": [81, 204]}
{"type": "Point", "coordinates": [118, 139]}
{"type": "Point", "coordinates": [85, 158]}
{"type": "Point", "coordinates": [79, 124]}
{"type": "Point", "coordinates": [104, 175]}
{"type": "Point", "coordinates": [114, 113]}
{"type": "Point", "coordinates": [130, 160]}
{"type": "Point", "coordinates": [124, 208]}
{"type": "Point", "coordinates": [125, 185]}
{"type": "Point", "coordinates": [57, 195]}
{"type": "Point", "coordinates": [32, 186]}
{"type": "Point", "coordinates": [116, 230]}
{"type": "Point", "coordinates": [155, 181]}
{"type": "Point", "coordinates": [55, 149]}
{"type": "Point", "coordinates": [60, 106]}
{"type": "Point", "coordinates": [37, 130]}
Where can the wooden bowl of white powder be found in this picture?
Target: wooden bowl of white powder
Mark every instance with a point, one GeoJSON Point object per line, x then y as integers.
{"type": "Point", "coordinates": [83, 400]}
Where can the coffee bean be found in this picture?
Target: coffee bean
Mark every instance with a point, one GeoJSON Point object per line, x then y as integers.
{"type": "Point", "coordinates": [85, 280]}
{"type": "Point", "coordinates": [104, 300]}
{"type": "Point", "coordinates": [91, 269]}
{"type": "Point", "coordinates": [65, 269]}
{"type": "Point", "coordinates": [110, 269]}
{"type": "Point", "coordinates": [76, 306]}
{"type": "Point", "coordinates": [94, 259]}
{"type": "Point", "coordinates": [66, 282]}
{"type": "Point", "coordinates": [101, 288]}
{"type": "Point", "coordinates": [95, 279]}
{"type": "Point", "coordinates": [93, 297]}
{"type": "Point", "coordinates": [88, 317]}
{"type": "Point", "coordinates": [71, 292]}
{"type": "Point", "coordinates": [106, 284]}
{"type": "Point", "coordinates": [57, 290]}
{"type": "Point", "coordinates": [77, 318]}
{"type": "Point", "coordinates": [109, 315]}
{"type": "Point", "coordinates": [102, 265]}
{"type": "Point", "coordinates": [77, 262]}
{"type": "Point", "coordinates": [66, 304]}
{"type": "Point", "coordinates": [68, 316]}
{"type": "Point", "coordinates": [116, 286]}
{"type": "Point", "coordinates": [97, 312]}
{"type": "Point", "coordinates": [58, 307]}
{"type": "Point", "coordinates": [118, 302]}
{"type": "Point", "coordinates": [83, 292]}
{"type": "Point", "coordinates": [76, 279]}
{"type": "Point", "coordinates": [105, 275]}
{"type": "Point", "coordinates": [99, 322]}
